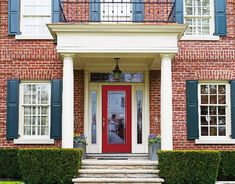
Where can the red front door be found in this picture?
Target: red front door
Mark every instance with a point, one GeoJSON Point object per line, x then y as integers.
{"type": "Point", "coordinates": [116, 119]}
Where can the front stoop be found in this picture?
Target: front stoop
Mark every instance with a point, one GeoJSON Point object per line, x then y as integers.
{"type": "Point", "coordinates": [118, 171]}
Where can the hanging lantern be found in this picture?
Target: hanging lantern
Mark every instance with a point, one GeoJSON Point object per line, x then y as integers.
{"type": "Point", "coordinates": [117, 72]}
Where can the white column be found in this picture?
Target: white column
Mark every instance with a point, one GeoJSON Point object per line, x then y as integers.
{"type": "Point", "coordinates": [166, 103]}
{"type": "Point", "coordinates": [68, 102]}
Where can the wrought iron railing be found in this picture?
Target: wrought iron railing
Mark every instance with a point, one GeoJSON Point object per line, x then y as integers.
{"type": "Point", "coordinates": [147, 11]}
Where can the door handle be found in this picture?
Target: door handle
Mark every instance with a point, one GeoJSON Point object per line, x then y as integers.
{"type": "Point", "coordinates": [103, 122]}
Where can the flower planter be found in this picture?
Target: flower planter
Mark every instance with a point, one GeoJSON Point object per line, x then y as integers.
{"type": "Point", "coordinates": [153, 148]}
{"type": "Point", "coordinates": [82, 146]}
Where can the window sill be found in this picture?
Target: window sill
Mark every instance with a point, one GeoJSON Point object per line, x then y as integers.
{"type": "Point", "coordinates": [226, 141]}
{"type": "Point", "coordinates": [33, 141]}
{"type": "Point", "coordinates": [33, 37]}
{"type": "Point", "coordinates": [197, 37]}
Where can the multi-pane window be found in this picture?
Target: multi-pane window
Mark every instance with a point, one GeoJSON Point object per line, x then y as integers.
{"type": "Point", "coordinates": [198, 14]}
{"type": "Point", "coordinates": [35, 15]}
{"type": "Point", "coordinates": [35, 109]}
{"type": "Point", "coordinates": [213, 109]}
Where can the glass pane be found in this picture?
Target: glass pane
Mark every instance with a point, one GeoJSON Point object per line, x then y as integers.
{"type": "Point", "coordinates": [34, 120]}
{"type": "Point", "coordinates": [222, 120]}
{"type": "Point", "coordinates": [204, 99]}
{"type": "Point", "coordinates": [27, 111]}
{"type": "Point", "coordinates": [34, 99]}
{"type": "Point", "coordinates": [222, 99]}
{"type": "Point", "coordinates": [125, 77]}
{"type": "Point", "coordinates": [27, 120]}
{"type": "Point", "coordinates": [204, 110]}
{"type": "Point", "coordinates": [44, 130]}
{"type": "Point", "coordinates": [213, 110]}
{"type": "Point", "coordinates": [222, 89]}
{"type": "Point", "coordinates": [116, 117]}
{"type": "Point", "coordinates": [213, 120]}
{"type": "Point", "coordinates": [204, 89]}
{"type": "Point", "coordinates": [204, 120]}
{"type": "Point", "coordinates": [221, 110]}
{"type": "Point", "coordinates": [44, 110]}
{"type": "Point", "coordinates": [213, 89]}
{"type": "Point", "coordinates": [44, 120]}
{"type": "Point", "coordinates": [213, 131]}
{"type": "Point", "coordinates": [204, 131]}
{"type": "Point", "coordinates": [213, 99]}
{"type": "Point", "coordinates": [222, 131]}
{"type": "Point", "coordinates": [33, 130]}
{"type": "Point", "coordinates": [27, 88]}
{"type": "Point", "coordinates": [139, 95]}
{"type": "Point", "coordinates": [27, 99]}
{"type": "Point", "coordinates": [27, 130]}
{"type": "Point", "coordinates": [93, 116]}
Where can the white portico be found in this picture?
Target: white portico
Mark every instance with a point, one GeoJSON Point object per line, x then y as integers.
{"type": "Point", "coordinates": [141, 47]}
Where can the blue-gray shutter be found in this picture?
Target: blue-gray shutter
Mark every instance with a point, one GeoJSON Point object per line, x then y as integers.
{"type": "Point", "coordinates": [192, 109]}
{"type": "Point", "coordinates": [95, 10]}
{"type": "Point", "coordinates": [12, 109]}
{"type": "Point", "coordinates": [13, 17]}
{"type": "Point", "coordinates": [56, 109]}
{"type": "Point", "coordinates": [232, 86]}
{"type": "Point", "coordinates": [55, 10]}
{"type": "Point", "coordinates": [220, 18]}
{"type": "Point", "coordinates": [138, 10]}
{"type": "Point", "coordinates": [179, 11]}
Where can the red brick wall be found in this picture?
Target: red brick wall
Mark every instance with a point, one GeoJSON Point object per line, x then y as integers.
{"type": "Point", "coordinates": [79, 101]}
{"type": "Point", "coordinates": [154, 101]}
{"type": "Point", "coordinates": [201, 60]}
{"type": "Point", "coordinates": [25, 60]}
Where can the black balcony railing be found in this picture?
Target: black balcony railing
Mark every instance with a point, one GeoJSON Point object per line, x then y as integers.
{"type": "Point", "coordinates": [146, 11]}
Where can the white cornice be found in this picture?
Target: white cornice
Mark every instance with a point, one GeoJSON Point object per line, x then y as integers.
{"type": "Point", "coordinates": [178, 29]}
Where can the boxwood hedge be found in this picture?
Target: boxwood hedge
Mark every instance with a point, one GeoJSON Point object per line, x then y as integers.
{"type": "Point", "coordinates": [227, 166]}
{"type": "Point", "coordinates": [9, 167]}
{"type": "Point", "coordinates": [51, 166]}
{"type": "Point", "coordinates": [189, 167]}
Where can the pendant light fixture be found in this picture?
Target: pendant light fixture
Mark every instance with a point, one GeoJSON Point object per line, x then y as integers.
{"type": "Point", "coordinates": [117, 72]}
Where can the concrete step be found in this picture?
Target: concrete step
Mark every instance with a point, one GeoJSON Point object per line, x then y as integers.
{"type": "Point", "coordinates": [118, 180]}
{"type": "Point", "coordinates": [119, 156]}
{"type": "Point", "coordinates": [119, 173]}
{"type": "Point", "coordinates": [119, 164]}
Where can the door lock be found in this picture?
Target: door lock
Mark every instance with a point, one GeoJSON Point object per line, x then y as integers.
{"type": "Point", "coordinates": [103, 122]}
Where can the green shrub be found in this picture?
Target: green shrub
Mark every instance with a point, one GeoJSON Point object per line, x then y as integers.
{"type": "Point", "coordinates": [189, 167]}
{"type": "Point", "coordinates": [9, 167]}
{"type": "Point", "coordinates": [51, 166]}
{"type": "Point", "coordinates": [227, 166]}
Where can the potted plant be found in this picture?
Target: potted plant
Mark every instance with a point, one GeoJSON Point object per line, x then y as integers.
{"type": "Point", "coordinates": [154, 146]}
{"type": "Point", "coordinates": [79, 141]}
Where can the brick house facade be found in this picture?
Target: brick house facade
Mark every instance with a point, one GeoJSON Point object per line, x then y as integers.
{"type": "Point", "coordinates": [207, 60]}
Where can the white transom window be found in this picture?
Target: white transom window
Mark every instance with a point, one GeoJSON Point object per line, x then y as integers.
{"type": "Point", "coordinates": [35, 14]}
{"type": "Point", "coordinates": [214, 116]}
{"type": "Point", "coordinates": [35, 110]}
{"type": "Point", "coordinates": [199, 15]}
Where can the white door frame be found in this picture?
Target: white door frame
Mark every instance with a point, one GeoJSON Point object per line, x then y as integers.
{"type": "Point", "coordinates": [97, 86]}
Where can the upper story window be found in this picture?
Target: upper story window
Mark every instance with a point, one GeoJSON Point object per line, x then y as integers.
{"type": "Point", "coordinates": [213, 110]}
{"type": "Point", "coordinates": [35, 14]}
{"type": "Point", "coordinates": [35, 110]}
{"type": "Point", "coordinates": [199, 15]}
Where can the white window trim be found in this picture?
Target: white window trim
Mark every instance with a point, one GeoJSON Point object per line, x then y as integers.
{"type": "Point", "coordinates": [216, 139]}
{"type": "Point", "coordinates": [31, 37]}
{"type": "Point", "coordinates": [32, 139]}
{"type": "Point", "coordinates": [34, 37]}
{"type": "Point", "coordinates": [210, 37]}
